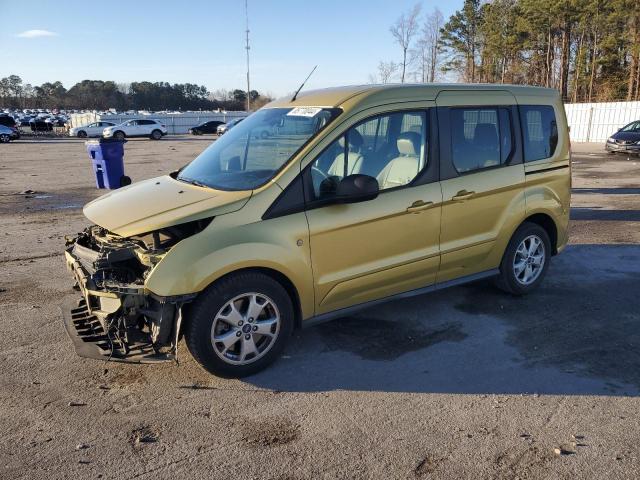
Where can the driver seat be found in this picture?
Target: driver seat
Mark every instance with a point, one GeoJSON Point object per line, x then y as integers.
{"type": "Point", "coordinates": [404, 168]}
{"type": "Point", "coordinates": [354, 158]}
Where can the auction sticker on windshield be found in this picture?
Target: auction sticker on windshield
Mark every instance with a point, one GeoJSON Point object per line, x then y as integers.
{"type": "Point", "coordinates": [304, 112]}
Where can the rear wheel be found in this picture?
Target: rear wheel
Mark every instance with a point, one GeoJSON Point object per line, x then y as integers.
{"type": "Point", "coordinates": [156, 135]}
{"type": "Point", "coordinates": [240, 324]}
{"type": "Point", "coordinates": [525, 261]}
{"type": "Point", "coordinates": [119, 135]}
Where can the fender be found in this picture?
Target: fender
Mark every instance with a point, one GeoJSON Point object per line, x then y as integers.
{"type": "Point", "coordinates": [198, 261]}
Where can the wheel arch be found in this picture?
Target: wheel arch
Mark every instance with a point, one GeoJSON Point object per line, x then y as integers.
{"type": "Point", "coordinates": [547, 222]}
{"type": "Point", "coordinates": [277, 276]}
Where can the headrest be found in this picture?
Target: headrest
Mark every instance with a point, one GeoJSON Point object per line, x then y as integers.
{"type": "Point", "coordinates": [409, 143]}
{"type": "Point", "coordinates": [355, 140]}
{"type": "Point", "coordinates": [485, 132]}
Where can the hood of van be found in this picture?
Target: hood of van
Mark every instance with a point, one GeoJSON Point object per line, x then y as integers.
{"type": "Point", "coordinates": [158, 203]}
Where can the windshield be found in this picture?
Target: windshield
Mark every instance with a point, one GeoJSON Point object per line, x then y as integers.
{"type": "Point", "coordinates": [253, 151]}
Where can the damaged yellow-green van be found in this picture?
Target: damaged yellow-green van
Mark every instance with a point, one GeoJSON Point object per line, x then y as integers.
{"type": "Point", "coordinates": [316, 206]}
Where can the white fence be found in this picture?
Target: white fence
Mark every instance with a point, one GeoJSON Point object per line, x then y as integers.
{"type": "Point", "coordinates": [589, 122]}
{"type": "Point", "coordinates": [595, 122]}
{"type": "Point", "coordinates": [177, 123]}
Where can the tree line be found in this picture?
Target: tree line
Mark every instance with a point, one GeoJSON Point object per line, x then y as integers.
{"type": "Point", "coordinates": [587, 49]}
{"type": "Point", "coordinates": [102, 95]}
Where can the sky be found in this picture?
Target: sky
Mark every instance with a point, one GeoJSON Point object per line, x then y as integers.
{"type": "Point", "coordinates": [201, 42]}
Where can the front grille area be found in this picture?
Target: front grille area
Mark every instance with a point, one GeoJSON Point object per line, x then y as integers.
{"type": "Point", "coordinates": [90, 330]}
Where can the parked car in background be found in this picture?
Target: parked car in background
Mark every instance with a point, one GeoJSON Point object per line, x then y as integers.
{"type": "Point", "coordinates": [9, 122]}
{"type": "Point", "coordinates": [40, 125]}
{"type": "Point", "coordinates": [94, 129]}
{"type": "Point", "coordinates": [136, 128]}
{"type": "Point", "coordinates": [207, 127]}
{"type": "Point", "coordinates": [225, 127]}
{"type": "Point", "coordinates": [56, 121]}
{"type": "Point", "coordinates": [5, 134]}
{"type": "Point", "coordinates": [625, 140]}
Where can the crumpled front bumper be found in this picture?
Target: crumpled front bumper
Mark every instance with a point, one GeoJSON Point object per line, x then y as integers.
{"type": "Point", "coordinates": [88, 321]}
{"type": "Point", "coordinates": [91, 340]}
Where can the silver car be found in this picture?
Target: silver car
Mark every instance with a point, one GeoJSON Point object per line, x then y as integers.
{"type": "Point", "coordinates": [225, 127]}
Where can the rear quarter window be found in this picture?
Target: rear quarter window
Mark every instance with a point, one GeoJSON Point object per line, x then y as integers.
{"type": "Point", "coordinates": [539, 131]}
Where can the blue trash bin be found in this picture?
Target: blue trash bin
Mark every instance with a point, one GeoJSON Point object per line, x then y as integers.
{"type": "Point", "coordinates": [107, 159]}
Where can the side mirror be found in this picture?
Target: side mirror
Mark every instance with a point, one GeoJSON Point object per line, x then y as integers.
{"type": "Point", "coordinates": [357, 188]}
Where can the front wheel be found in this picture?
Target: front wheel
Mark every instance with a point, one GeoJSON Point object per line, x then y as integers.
{"type": "Point", "coordinates": [240, 324]}
{"type": "Point", "coordinates": [525, 261]}
{"type": "Point", "coordinates": [119, 135]}
{"type": "Point", "coordinates": [4, 138]}
{"type": "Point", "coordinates": [82, 134]}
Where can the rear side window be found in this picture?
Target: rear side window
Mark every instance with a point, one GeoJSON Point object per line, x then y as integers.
{"type": "Point", "coordinates": [480, 138]}
{"type": "Point", "coordinates": [539, 131]}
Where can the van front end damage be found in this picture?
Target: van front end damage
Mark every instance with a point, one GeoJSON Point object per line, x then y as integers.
{"type": "Point", "coordinates": [117, 318]}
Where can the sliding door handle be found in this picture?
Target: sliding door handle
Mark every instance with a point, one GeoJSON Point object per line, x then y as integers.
{"type": "Point", "coordinates": [419, 206]}
{"type": "Point", "coordinates": [462, 195]}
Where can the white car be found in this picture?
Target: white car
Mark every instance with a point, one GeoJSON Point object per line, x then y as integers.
{"type": "Point", "coordinates": [136, 128]}
{"type": "Point", "coordinates": [94, 129]}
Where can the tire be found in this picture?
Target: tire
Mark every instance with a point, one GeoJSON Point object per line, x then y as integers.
{"type": "Point", "coordinates": [515, 278]}
{"type": "Point", "coordinates": [119, 135]}
{"type": "Point", "coordinates": [156, 135]}
{"type": "Point", "coordinates": [205, 319]}
{"type": "Point", "coordinates": [4, 138]}
{"type": "Point", "coordinates": [82, 134]}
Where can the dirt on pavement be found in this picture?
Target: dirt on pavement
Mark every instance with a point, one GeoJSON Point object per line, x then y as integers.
{"type": "Point", "coordinates": [462, 383]}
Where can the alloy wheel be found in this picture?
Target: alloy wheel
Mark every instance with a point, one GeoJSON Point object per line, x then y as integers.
{"type": "Point", "coordinates": [529, 260]}
{"type": "Point", "coordinates": [245, 328]}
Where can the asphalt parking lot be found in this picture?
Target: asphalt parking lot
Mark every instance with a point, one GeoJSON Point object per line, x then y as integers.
{"type": "Point", "coordinates": [462, 383]}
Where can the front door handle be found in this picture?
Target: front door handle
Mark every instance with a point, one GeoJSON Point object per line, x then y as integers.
{"type": "Point", "coordinates": [418, 206]}
{"type": "Point", "coordinates": [462, 195]}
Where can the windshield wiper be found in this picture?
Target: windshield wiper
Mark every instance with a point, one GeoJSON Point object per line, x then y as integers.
{"type": "Point", "coordinates": [193, 182]}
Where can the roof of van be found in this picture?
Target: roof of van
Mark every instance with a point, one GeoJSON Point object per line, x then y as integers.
{"type": "Point", "coordinates": [336, 96]}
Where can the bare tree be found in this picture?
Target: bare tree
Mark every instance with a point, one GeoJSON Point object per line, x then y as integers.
{"type": "Point", "coordinates": [221, 95]}
{"type": "Point", "coordinates": [431, 32]}
{"type": "Point", "coordinates": [403, 31]}
{"type": "Point", "coordinates": [427, 51]}
{"type": "Point", "coordinates": [124, 87]}
{"type": "Point", "coordinates": [386, 70]}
